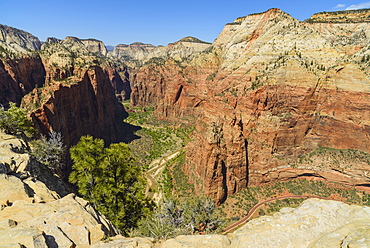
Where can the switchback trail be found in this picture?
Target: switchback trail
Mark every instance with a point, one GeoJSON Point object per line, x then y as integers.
{"type": "Point", "coordinates": [254, 209]}
{"type": "Point", "coordinates": [157, 166]}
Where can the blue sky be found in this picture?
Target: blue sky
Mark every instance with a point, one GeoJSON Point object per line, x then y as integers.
{"type": "Point", "coordinates": [156, 22]}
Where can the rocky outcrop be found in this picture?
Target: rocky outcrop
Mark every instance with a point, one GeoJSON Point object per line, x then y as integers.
{"type": "Point", "coordinates": [66, 222]}
{"type": "Point", "coordinates": [137, 49]}
{"type": "Point", "coordinates": [37, 212]}
{"type": "Point", "coordinates": [18, 40]}
{"type": "Point", "coordinates": [307, 226]}
{"type": "Point", "coordinates": [19, 76]}
{"type": "Point", "coordinates": [315, 223]}
{"type": "Point", "coordinates": [268, 92]}
{"type": "Point", "coordinates": [66, 89]}
{"type": "Point", "coordinates": [87, 106]}
{"type": "Point", "coordinates": [350, 16]}
{"type": "Point", "coordinates": [11, 158]}
{"type": "Point", "coordinates": [138, 53]}
{"type": "Point", "coordinates": [95, 46]}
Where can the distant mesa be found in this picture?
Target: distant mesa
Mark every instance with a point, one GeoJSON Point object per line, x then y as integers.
{"type": "Point", "coordinates": [345, 16]}
{"type": "Point", "coordinates": [190, 39]}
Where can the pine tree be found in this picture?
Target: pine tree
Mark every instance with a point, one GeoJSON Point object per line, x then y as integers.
{"type": "Point", "coordinates": [108, 178]}
{"type": "Point", "coordinates": [88, 157]}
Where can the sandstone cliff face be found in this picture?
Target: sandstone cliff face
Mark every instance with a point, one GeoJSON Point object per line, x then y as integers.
{"type": "Point", "coordinates": [138, 53]}
{"type": "Point", "coordinates": [18, 40]}
{"type": "Point", "coordinates": [68, 87]}
{"type": "Point", "coordinates": [19, 76]}
{"type": "Point", "coordinates": [353, 16]}
{"type": "Point", "coordinates": [91, 45]}
{"type": "Point", "coordinates": [87, 106]}
{"type": "Point", "coordinates": [269, 91]}
{"type": "Point", "coordinates": [95, 46]}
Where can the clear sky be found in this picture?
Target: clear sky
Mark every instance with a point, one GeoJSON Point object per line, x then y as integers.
{"type": "Point", "coordinates": [156, 22]}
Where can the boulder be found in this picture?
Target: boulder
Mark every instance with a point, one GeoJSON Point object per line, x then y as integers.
{"type": "Point", "coordinates": [22, 237]}
{"type": "Point", "coordinates": [70, 221]}
{"type": "Point", "coordinates": [10, 153]}
{"type": "Point", "coordinates": [12, 189]}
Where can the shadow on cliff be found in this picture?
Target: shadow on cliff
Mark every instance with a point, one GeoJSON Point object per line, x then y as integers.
{"type": "Point", "coordinates": [130, 131]}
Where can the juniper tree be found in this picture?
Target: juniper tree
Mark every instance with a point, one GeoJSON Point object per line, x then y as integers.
{"type": "Point", "coordinates": [109, 179]}
{"type": "Point", "coordinates": [88, 157]}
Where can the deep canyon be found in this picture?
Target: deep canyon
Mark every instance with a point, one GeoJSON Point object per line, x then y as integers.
{"type": "Point", "coordinates": [271, 99]}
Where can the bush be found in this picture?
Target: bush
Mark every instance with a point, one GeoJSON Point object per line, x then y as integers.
{"type": "Point", "coordinates": [49, 151]}
{"type": "Point", "coordinates": [14, 121]}
{"type": "Point", "coordinates": [173, 218]}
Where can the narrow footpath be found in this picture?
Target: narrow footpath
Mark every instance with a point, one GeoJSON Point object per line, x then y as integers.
{"type": "Point", "coordinates": [256, 207]}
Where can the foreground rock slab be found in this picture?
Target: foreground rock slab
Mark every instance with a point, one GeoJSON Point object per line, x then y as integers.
{"type": "Point", "coordinates": [316, 223]}
{"type": "Point", "coordinates": [67, 222]}
{"type": "Point", "coordinates": [328, 222]}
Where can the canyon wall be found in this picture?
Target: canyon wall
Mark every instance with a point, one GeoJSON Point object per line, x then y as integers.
{"type": "Point", "coordinates": [19, 76]}
{"type": "Point", "coordinates": [86, 107]}
{"type": "Point", "coordinates": [272, 98]}
{"type": "Point", "coordinates": [269, 94]}
{"type": "Point", "coordinates": [68, 86]}
{"type": "Point", "coordinates": [138, 54]}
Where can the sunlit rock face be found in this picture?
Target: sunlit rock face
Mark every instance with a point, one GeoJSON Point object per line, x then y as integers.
{"type": "Point", "coordinates": [265, 98]}
{"type": "Point", "coordinates": [138, 54]}
{"type": "Point", "coordinates": [18, 40]}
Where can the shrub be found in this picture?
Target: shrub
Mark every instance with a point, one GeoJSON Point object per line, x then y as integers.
{"type": "Point", "coordinates": [49, 151]}
{"type": "Point", "coordinates": [173, 218]}
{"type": "Point", "coordinates": [14, 121]}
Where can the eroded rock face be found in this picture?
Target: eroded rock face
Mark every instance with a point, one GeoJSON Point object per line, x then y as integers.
{"type": "Point", "coordinates": [18, 40]}
{"type": "Point", "coordinates": [88, 106]}
{"type": "Point", "coordinates": [353, 16]}
{"type": "Point", "coordinates": [67, 221]}
{"type": "Point", "coordinates": [19, 76]}
{"type": "Point", "coordinates": [270, 90]}
{"type": "Point", "coordinates": [138, 53]}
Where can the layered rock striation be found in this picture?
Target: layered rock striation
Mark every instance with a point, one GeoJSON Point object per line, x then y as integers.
{"type": "Point", "coordinates": [268, 97]}
{"type": "Point", "coordinates": [269, 92]}
{"type": "Point", "coordinates": [18, 40]}
{"type": "Point", "coordinates": [19, 76]}
{"type": "Point", "coordinates": [69, 87]}
{"type": "Point", "coordinates": [137, 54]}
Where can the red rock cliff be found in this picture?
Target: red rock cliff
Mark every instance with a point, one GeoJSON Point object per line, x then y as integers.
{"type": "Point", "coordinates": [86, 107]}
{"type": "Point", "coordinates": [269, 93]}
{"type": "Point", "coordinates": [18, 76]}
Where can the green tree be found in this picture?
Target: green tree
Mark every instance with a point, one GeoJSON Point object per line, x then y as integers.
{"type": "Point", "coordinates": [14, 121]}
{"type": "Point", "coordinates": [108, 178]}
{"type": "Point", "coordinates": [88, 157]}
